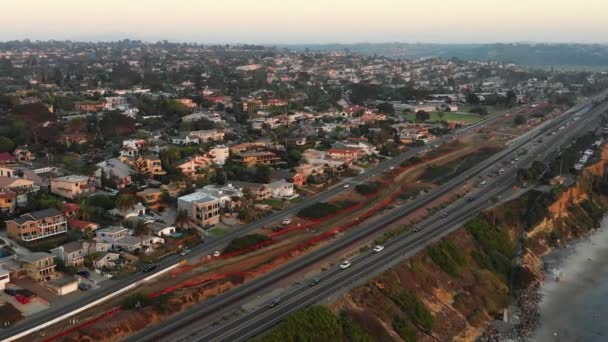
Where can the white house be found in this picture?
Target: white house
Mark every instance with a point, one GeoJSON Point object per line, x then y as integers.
{"type": "Point", "coordinates": [281, 189]}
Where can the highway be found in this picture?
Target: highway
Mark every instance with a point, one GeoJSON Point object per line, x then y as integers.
{"type": "Point", "coordinates": [212, 245]}
{"type": "Point", "coordinates": [192, 320]}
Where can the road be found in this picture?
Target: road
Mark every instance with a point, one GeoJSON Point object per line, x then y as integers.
{"type": "Point", "coordinates": [209, 247]}
{"type": "Point", "coordinates": [233, 299]}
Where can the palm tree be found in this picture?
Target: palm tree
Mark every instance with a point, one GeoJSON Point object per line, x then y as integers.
{"type": "Point", "coordinates": [125, 202]}
{"type": "Point", "coordinates": [181, 218]}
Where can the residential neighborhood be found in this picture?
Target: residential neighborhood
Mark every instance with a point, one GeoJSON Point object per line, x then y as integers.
{"type": "Point", "coordinates": [117, 156]}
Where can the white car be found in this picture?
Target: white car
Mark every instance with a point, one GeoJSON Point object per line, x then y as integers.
{"type": "Point", "coordinates": [345, 264]}
{"type": "Point", "coordinates": [286, 221]}
{"type": "Point", "coordinates": [346, 185]}
{"type": "Point", "coordinates": [378, 249]}
{"type": "Point", "coordinates": [392, 167]}
{"type": "Point", "coordinates": [216, 254]}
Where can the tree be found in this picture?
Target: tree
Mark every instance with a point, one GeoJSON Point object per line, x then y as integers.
{"type": "Point", "coordinates": [37, 115]}
{"type": "Point", "coordinates": [262, 173]}
{"type": "Point", "coordinates": [422, 116]}
{"type": "Point", "coordinates": [125, 201]}
{"type": "Point", "coordinates": [441, 115]}
{"type": "Point", "coordinates": [6, 144]}
{"type": "Point", "coordinates": [165, 198]}
{"type": "Point", "coordinates": [519, 120]}
{"type": "Point", "coordinates": [386, 107]}
{"type": "Point", "coordinates": [473, 99]}
{"type": "Point", "coordinates": [182, 218]}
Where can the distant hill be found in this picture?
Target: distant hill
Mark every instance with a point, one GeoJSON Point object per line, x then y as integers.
{"type": "Point", "coordinates": [542, 55]}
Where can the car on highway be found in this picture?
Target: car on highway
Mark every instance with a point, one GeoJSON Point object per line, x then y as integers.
{"type": "Point", "coordinates": [314, 282]}
{"type": "Point", "coordinates": [345, 264]}
{"type": "Point", "coordinates": [392, 168]}
{"type": "Point", "coordinates": [444, 215]}
{"type": "Point", "coordinates": [274, 303]}
{"type": "Point", "coordinates": [483, 182]}
{"type": "Point", "coordinates": [149, 268]}
{"type": "Point", "coordinates": [471, 199]}
{"type": "Point", "coordinates": [216, 254]}
{"type": "Point", "coordinates": [346, 185]}
{"type": "Point", "coordinates": [184, 252]}
{"type": "Point", "coordinates": [378, 249]}
{"type": "Point", "coordinates": [287, 221]}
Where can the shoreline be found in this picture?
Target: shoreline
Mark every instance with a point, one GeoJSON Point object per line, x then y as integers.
{"type": "Point", "coordinates": [572, 294]}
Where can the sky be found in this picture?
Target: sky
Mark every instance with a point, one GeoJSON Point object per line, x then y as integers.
{"type": "Point", "coordinates": [307, 21]}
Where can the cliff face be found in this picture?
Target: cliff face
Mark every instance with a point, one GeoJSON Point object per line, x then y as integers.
{"type": "Point", "coordinates": [463, 280]}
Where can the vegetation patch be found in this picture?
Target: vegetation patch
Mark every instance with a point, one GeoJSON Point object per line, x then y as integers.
{"type": "Point", "coordinates": [322, 209]}
{"type": "Point", "coordinates": [450, 258]}
{"type": "Point", "coordinates": [368, 188]}
{"type": "Point", "coordinates": [245, 242]}
{"type": "Point", "coordinates": [413, 307]}
{"type": "Point", "coordinates": [493, 250]}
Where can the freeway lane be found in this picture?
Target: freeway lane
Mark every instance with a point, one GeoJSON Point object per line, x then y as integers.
{"type": "Point", "coordinates": [111, 286]}
{"type": "Point", "coordinates": [367, 264]}
{"type": "Point", "coordinates": [228, 300]}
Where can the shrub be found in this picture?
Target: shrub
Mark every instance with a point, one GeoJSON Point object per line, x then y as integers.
{"type": "Point", "coordinates": [135, 300]}
{"type": "Point", "coordinates": [412, 306]}
{"type": "Point", "coordinates": [245, 242]}
{"type": "Point", "coordinates": [405, 329]}
{"type": "Point", "coordinates": [448, 257]}
{"type": "Point", "coordinates": [367, 188]}
{"type": "Point", "coordinates": [318, 210]}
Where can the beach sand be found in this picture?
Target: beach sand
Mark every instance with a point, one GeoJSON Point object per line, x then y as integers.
{"type": "Point", "coordinates": [575, 308]}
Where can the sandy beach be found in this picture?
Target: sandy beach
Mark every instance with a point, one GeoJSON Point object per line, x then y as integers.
{"type": "Point", "coordinates": [575, 308]}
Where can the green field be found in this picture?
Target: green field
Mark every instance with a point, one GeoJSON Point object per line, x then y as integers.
{"type": "Point", "coordinates": [468, 118]}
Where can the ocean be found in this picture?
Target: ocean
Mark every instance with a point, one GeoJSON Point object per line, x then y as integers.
{"type": "Point", "coordinates": [575, 308]}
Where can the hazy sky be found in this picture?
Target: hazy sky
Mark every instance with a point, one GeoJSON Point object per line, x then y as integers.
{"type": "Point", "coordinates": [307, 21]}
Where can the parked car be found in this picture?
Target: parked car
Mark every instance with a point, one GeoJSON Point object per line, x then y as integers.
{"type": "Point", "coordinates": [22, 299]}
{"type": "Point", "coordinates": [378, 249]}
{"type": "Point", "coordinates": [184, 252]}
{"type": "Point", "coordinates": [84, 286]}
{"type": "Point", "coordinates": [26, 293]}
{"type": "Point", "coordinates": [216, 254]}
{"type": "Point", "coordinates": [149, 268]}
{"type": "Point", "coordinates": [287, 221]}
{"type": "Point", "coordinates": [10, 292]}
{"type": "Point", "coordinates": [345, 264]}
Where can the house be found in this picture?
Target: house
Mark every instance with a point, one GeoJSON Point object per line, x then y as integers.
{"type": "Point", "coordinates": [219, 154]}
{"type": "Point", "coordinates": [226, 194]}
{"type": "Point", "coordinates": [252, 158]}
{"type": "Point", "coordinates": [73, 253]}
{"type": "Point", "coordinates": [23, 154]}
{"type": "Point", "coordinates": [184, 140]}
{"type": "Point", "coordinates": [6, 159]}
{"type": "Point", "coordinates": [258, 191]}
{"type": "Point", "coordinates": [173, 189]}
{"type": "Point", "coordinates": [151, 198]}
{"type": "Point", "coordinates": [81, 225]}
{"type": "Point", "coordinates": [37, 225]}
{"type": "Point", "coordinates": [148, 165]}
{"type": "Point", "coordinates": [190, 166]}
{"type": "Point", "coordinates": [188, 103]}
{"type": "Point", "coordinates": [105, 259]}
{"type": "Point", "coordinates": [89, 106]}
{"type": "Point", "coordinates": [8, 201]}
{"type": "Point", "coordinates": [72, 138]}
{"type": "Point", "coordinates": [70, 209]}
{"type": "Point", "coordinates": [137, 210]}
{"type": "Point", "coordinates": [73, 186]}
{"type": "Point", "coordinates": [8, 172]}
{"type": "Point", "coordinates": [133, 243]}
{"type": "Point", "coordinates": [208, 135]}
{"type": "Point", "coordinates": [39, 266]}
{"type": "Point", "coordinates": [63, 286]}
{"type": "Point", "coordinates": [345, 154]}
{"type": "Point", "coordinates": [5, 278]}
{"type": "Point", "coordinates": [202, 209]}
{"type": "Point", "coordinates": [111, 234]}
{"type": "Point", "coordinates": [281, 189]}
{"type": "Point", "coordinates": [132, 147]}
{"type": "Point", "coordinates": [160, 229]}
{"type": "Point", "coordinates": [297, 179]}
{"type": "Point", "coordinates": [114, 174]}
{"type": "Point", "coordinates": [19, 186]}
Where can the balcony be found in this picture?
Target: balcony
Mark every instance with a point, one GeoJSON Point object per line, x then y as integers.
{"type": "Point", "coordinates": [44, 234]}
